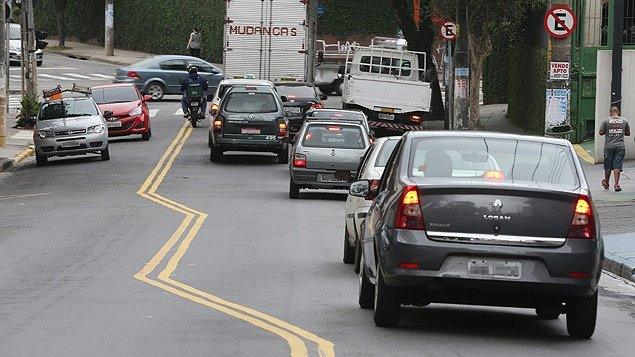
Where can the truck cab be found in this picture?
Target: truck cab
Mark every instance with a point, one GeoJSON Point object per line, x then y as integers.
{"type": "Point", "coordinates": [388, 86]}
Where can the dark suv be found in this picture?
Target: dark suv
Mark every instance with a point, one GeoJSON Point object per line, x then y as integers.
{"type": "Point", "coordinates": [250, 118]}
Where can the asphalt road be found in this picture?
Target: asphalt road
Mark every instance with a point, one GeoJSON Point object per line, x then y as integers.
{"type": "Point", "coordinates": [160, 252]}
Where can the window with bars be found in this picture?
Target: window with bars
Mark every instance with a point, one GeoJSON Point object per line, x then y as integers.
{"type": "Point", "coordinates": [629, 22]}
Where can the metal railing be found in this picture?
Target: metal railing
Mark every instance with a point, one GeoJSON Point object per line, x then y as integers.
{"type": "Point", "coordinates": [386, 59]}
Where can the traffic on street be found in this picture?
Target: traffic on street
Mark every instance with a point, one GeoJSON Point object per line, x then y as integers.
{"type": "Point", "coordinates": [178, 206]}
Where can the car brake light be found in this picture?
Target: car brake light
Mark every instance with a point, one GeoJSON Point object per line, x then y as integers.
{"type": "Point", "coordinates": [494, 175]}
{"type": "Point", "coordinates": [583, 225]}
{"type": "Point", "coordinates": [334, 128]}
{"type": "Point", "coordinates": [282, 129]}
{"type": "Point", "coordinates": [218, 125]}
{"type": "Point", "coordinates": [317, 105]}
{"type": "Point", "coordinates": [133, 74]}
{"type": "Point", "coordinates": [411, 266]}
{"type": "Point", "coordinates": [409, 214]}
{"type": "Point", "coordinates": [299, 160]}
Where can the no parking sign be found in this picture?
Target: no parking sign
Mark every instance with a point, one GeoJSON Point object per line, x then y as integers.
{"type": "Point", "coordinates": [560, 21]}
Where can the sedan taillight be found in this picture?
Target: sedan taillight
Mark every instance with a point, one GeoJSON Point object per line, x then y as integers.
{"type": "Point", "coordinates": [409, 214]}
{"type": "Point", "coordinates": [583, 225]}
{"type": "Point", "coordinates": [317, 105]}
{"type": "Point", "coordinates": [299, 160]}
{"type": "Point", "coordinates": [218, 125]}
{"type": "Point", "coordinates": [133, 75]}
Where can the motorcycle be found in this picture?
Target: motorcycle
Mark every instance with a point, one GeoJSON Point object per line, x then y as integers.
{"type": "Point", "coordinates": [194, 95]}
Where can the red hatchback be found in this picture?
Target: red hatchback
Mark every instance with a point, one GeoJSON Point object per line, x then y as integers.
{"type": "Point", "coordinates": [130, 114]}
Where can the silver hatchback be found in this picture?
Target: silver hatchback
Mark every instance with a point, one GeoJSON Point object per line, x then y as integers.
{"type": "Point", "coordinates": [70, 126]}
{"type": "Point", "coordinates": [321, 151]}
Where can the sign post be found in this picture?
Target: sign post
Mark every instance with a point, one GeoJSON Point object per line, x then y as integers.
{"type": "Point", "coordinates": [448, 32]}
{"type": "Point", "coordinates": [559, 22]}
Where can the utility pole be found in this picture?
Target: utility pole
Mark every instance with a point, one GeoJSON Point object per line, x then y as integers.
{"type": "Point", "coordinates": [461, 75]}
{"type": "Point", "coordinates": [29, 72]}
{"type": "Point", "coordinates": [3, 75]}
{"type": "Point", "coordinates": [109, 41]}
{"type": "Point", "coordinates": [616, 75]}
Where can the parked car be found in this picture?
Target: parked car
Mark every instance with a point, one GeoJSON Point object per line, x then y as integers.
{"type": "Point", "coordinates": [130, 113]}
{"type": "Point", "coordinates": [162, 75]}
{"type": "Point", "coordinates": [371, 168]}
{"type": "Point", "coordinates": [250, 118]}
{"type": "Point", "coordinates": [301, 97]}
{"type": "Point", "coordinates": [482, 219]}
{"type": "Point", "coordinates": [321, 151]}
{"type": "Point", "coordinates": [15, 46]}
{"type": "Point", "coordinates": [70, 126]}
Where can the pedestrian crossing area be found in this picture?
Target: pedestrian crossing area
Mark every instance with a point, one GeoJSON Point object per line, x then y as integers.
{"type": "Point", "coordinates": [65, 77]}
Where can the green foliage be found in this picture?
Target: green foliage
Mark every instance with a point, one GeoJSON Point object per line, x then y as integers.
{"type": "Point", "coordinates": [527, 69]}
{"type": "Point", "coordinates": [30, 105]}
{"type": "Point", "coordinates": [496, 72]}
{"type": "Point", "coordinates": [164, 26]}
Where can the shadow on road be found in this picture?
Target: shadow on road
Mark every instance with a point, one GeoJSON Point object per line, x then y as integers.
{"type": "Point", "coordinates": [235, 158]}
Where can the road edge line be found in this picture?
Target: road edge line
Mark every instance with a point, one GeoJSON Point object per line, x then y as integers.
{"type": "Point", "coordinates": [583, 154]}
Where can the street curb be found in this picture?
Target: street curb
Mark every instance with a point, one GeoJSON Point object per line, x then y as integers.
{"type": "Point", "coordinates": [6, 164]}
{"type": "Point", "coordinates": [88, 58]}
{"type": "Point", "coordinates": [617, 268]}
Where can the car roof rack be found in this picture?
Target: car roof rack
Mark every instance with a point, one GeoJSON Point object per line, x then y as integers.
{"type": "Point", "coordinates": [56, 93]}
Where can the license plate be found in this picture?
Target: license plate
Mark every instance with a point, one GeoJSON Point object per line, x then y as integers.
{"type": "Point", "coordinates": [386, 110]}
{"type": "Point", "coordinates": [113, 124]}
{"type": "Point", "coordinates": [293, 110]}
{"type": "Point", "coordinates": [384, 116]}
{"type": "Point", "coordinates": [70, 144]}
{"type": "Point", "coordinates": [250, 131]}
{"type": "Point", "coordinates": [494, 268]}
{"type": "Point", "coordinates": [330, 178]}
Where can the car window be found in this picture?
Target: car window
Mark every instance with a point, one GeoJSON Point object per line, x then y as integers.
{"type": "Point", "coordinates": [146, 63]}
{"type": "Point", "coordinates": [363, 162]}
{"type": "Point", "coordinates": [222, 90]}
{"type": "Point", "coordinates": [201, 66]}
{"type": "Point", "coordinates": [390, 165]}
{"type": "Point", "coordinates": [173, 65]}
{"type": "Point", "coordinates": [334, 136]}
{"type": "Point", "coordinates": [483, 159]}
{"type": "Point", "coordinates": [15, 32]}
{"type": "Point", "coordinates": [67, 109]}
{"type": "Point", "coordinates": [250, 102]}
{"type": "Point", "coordinates": [115, 95]}
{"type": "Point", "coordinates": [385, 152]}
{"type": "Point", "coordinates": [335, 115]}
{"type": "Point", "coordinates": [297, 91]}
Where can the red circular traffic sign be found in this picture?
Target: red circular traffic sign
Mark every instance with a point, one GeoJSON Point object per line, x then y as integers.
{"type": "Point", "coordinates": [448, 30]}
{"type": "Point", "coordinates": [560, 21]}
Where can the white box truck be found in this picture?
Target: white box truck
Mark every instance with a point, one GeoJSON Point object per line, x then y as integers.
{"type": "Point", "coordinates": [270, 39]}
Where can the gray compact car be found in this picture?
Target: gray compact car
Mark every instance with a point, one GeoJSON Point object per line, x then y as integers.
{"type": "Point", "coordinates": [482, 219]}
{"type": "Point", "coordinates": [162, 75]}
{"type": "Point", "coordinates": [70, 126]}
{"type": "Point", "coordinates": [323, 149]}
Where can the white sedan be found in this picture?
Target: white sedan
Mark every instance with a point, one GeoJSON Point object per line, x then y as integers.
{"type": "Point", "coordinates": [371, 168]}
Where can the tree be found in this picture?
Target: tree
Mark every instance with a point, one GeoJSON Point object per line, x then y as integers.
{"type": "Point", "coordinates": [486, 18]}
{"type": "Point", "coordinates": [420, 38]}
{"type": "Point", "coordinates": [60, 14]}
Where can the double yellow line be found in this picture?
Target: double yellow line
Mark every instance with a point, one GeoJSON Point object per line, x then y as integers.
{"type": "Point", "coordinates": [185, 234]}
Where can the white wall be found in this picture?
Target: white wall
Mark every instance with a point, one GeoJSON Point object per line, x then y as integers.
{"type": "Point", "coordinates": [603, 98]}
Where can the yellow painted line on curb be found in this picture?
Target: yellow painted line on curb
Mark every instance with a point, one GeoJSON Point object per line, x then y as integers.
{"type": "Point", "coordinates": [266, 322]}
{"type": "Point", "coordinates": [23, 155]}
{"type": "Point", "coordinates": [584, 155]}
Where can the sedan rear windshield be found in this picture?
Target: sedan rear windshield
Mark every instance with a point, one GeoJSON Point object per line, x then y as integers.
{"type": "Point", "coordinates": [297, 91]}
{"type": "Point", "coordinates": [67, 109]}
{"type": "Point", "coordinates": [334, 136]}
{"type": "Point", "coordinates": [115, 95]}
{"type": "Point", "coordinates": [336, 114]}
{"type": "Point", "coordinates": [251, 102]}
{"type": "Point", "coordinates": [492, 159]}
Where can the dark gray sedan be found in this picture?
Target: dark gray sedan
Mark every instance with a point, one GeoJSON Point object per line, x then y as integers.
{"type": "Point", "coordinates": [482, 219]}
{"type": "Point", "coordinates": [162, 75]}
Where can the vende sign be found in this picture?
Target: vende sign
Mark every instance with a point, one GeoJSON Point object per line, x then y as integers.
{"type": "Point", "coordinates": [559, 70]}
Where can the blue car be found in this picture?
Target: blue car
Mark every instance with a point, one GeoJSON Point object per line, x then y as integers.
{"type": "Point", "coordinates": [162, 75]}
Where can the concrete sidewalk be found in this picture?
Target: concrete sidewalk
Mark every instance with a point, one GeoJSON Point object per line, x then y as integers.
{"type": "Point", "coordinates": [19, 147]}
{"type": "Point", "coordinates": [97, 53]}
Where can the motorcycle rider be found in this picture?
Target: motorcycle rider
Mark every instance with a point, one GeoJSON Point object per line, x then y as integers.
{"type": "Point", "coordinates": [193, 79]}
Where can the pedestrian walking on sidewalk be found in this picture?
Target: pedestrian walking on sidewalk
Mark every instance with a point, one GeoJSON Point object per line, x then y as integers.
{"type": "Point", "coordinates": [194, 44]}
{"type": "Point", "coordinates": [614, 128]}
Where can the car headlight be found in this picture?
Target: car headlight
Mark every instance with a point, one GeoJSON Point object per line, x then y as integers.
{"type": "Point", "coordinates": [136, 111]}
{"type": "Point", "coordinates": [43, 134]}
{"type": "Point", "coordinates": [95, 129]}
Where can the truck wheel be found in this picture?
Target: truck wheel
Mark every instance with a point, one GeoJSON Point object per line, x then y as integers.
{"type": "Point", "coordinates": [294, 190]}
{"type": "Point", "coordinates": [581, 316]}
{"type": "Point", "coordinates": [387, 303]}
{"type": "Point", "coordinates": [366, 288]}
{"type": "Point", "coordinates": [326, 89]}
{"type": "Point", "coordinates": [349, 252]}
{"type": "Point", "coordinates": [337, 85]}
{"type": "Point", "coordinates": [41, 160]}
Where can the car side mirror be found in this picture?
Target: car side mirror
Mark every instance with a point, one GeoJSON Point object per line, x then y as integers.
{"type": "Point", "coordinates": [108, 114]}
{"type": "Point", "coordinates": [146, 98]}
{"type": "Point", "coordinates": [360, 188]}
{"type": "Point", "coordinates": [284, 98]}
{"type": "Point", "coordinates": [323, 96]}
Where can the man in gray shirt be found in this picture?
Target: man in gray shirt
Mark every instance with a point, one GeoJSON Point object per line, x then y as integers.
{"type": "Point", "coordinates": [194, 43]}
{"type": "Point", "coordinates": [614, 128]}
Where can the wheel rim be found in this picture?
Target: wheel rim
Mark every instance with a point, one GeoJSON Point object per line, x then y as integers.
{"type": "Point", "coordinates": [155, 91]}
